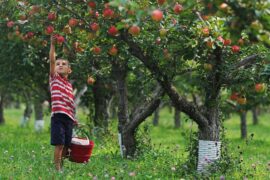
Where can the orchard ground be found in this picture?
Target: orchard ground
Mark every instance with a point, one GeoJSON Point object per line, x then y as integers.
{"type": "Point", "coordinates": [26, 154]}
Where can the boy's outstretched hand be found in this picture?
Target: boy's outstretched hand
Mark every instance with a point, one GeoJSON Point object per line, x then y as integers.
{"type": "Point", "coordinates": [53, 39]}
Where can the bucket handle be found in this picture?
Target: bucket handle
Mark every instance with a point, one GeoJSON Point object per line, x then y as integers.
{"type": "Point", "coordinates": [78, 130]}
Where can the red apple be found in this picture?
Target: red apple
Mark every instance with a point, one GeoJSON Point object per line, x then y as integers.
{"type": "Point", "coordinates": [242, 100]}
{"type": "Point", "coordinates": [259, 87]}
{"type": "Point", "coordinates": [227, 42]}
{"type": "Point", "coordinates": [94, 13]}
{"type": "Point", "coordinates": [223, 6]}
{"type": "Point", "coordinates": [234, 96]}
{"type": "Point", "coordinates": [73, 22]}
{"type": "Point", "coordinates": [161, 2]}
{"type": "Point", "coordinates": [166, 54]}
{"type": "Point", "coordinates": [23, 17]}
{"type": "Point", "coordinates": [97, 14]}
{"type": "Point", "coordinates": [113, 51]}
{"type": "Point", "coordinates": [10, 24]}
{"type": "Point", "coordinates": [51, 16]}
{"type": "Point", "coordinates": [220, 38]}
{"type": "Point", "coordinates": [17, 32]}
{"type": "Point", "coordinates": [134, 30]}
{"type": "Point", "coordinates": [157, 15]}
{"type": "Point", "coordinates": [34, 9]}
{"type": "Point", "coordinates": [158, 41]}
{"type": "Point", "coordinates": [206, 31]}
{"type": "Point", "coordinates": [177, 8]}
{"type": "Point", "coordinates": [209, 44]}
{"type": "Point", "coordinates": [131, 12]}
{"type": "Point", "coordinates": [29, 35]}
{"type": "Point", "coordinates": [108, 13]}
{"type": "Point", "coordinates": [209, 5]}
{"type": "Point", "coordinates": [205, 17]}
{"type": "Point", "coordinates": [113, 31]}
{"type": "Point", "coordinates": [90, 80]}
{"type": "Point", "coordinates": [49, 29]}
{"type": "Point", "coordinates": [235, 49]}
{"type": "Point", "coordinates": [96, 50]}
{"type": "Point", "coordinates": [240, 42]}
{"type": "Point", "coordinates": [59, 39]}
{"type": "Point", "coordinates": [92, 4]}
{"type": "Point", "coordinates": [94, 26]}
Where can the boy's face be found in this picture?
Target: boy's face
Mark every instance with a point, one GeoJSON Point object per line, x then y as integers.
{"type": "Point", "coordinates": [62, 67]}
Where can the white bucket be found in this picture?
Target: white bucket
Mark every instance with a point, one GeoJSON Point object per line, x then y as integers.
{"type": "Point", "coordinates": [120, 144]}
{"type": "Point", "coordinates": [39, 125]}
{"type": "Point", "coordinates": [209, 151]}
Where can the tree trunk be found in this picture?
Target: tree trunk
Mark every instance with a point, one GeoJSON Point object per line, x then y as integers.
{"type": "Point", "coordinates": [211, 131]}
{"type": "Point", "coordinates": [127, 124]}
{"type": "Point", "coordinates": [2, 119]}
{"type": "Point", "coordinates": [207, 116]}
{"type": "Point", "coordinates": [27, 113]}
{"type": "Point", "coordinates": [38, 109]}
{"type": "Point", "coordinates": [17, 104]}
{"type": "Point", "coordinates": [156, 117]}
{"type": "Point", "coordinates": [243, 117]}
{"type": "Point", "coordinates": [254, 111]}
{"type": "Point", "coordinates": [177, 118]}
{"type": "Point", "coordinates": [100, 101]}
{"type": "Point", "coordinates": [128, 142]}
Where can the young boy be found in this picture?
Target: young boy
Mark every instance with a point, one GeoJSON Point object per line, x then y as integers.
{"type": "Point", "coordinates": [63, 107]}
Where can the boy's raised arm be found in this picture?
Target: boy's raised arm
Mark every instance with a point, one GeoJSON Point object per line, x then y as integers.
{"type": "Point", "coordinates": [52, 56]}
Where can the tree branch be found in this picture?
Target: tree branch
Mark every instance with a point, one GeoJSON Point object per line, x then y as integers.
{"type": "Point", "coordinates": [179, 102]}
{"type": "Point", "coordinates": [72, 12]}
{"type": "Point", "coordinates": [247, 61]}
{"type": "Point", "coordinates": [146, 109]}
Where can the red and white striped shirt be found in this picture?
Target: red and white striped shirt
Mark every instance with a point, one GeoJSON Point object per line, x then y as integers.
{"type": "Point", "coordinates": [62, 98]}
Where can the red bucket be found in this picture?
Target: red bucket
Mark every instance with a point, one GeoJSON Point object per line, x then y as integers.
{"type": "Point", "coordinates": [81, 152]}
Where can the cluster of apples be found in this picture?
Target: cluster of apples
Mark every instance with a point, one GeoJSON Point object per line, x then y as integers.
{"type": "Point", "coordinates": [157, 14]}
{"type": "Point", "coordinates": [235, 96]}
{"type": "Point", "coordinates": [225, 42]}
{"type": "Point", "coordinates": [240, 99]}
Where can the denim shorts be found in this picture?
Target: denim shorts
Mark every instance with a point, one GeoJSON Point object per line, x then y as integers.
{"type": "Point", "coordinates": [61, 129]}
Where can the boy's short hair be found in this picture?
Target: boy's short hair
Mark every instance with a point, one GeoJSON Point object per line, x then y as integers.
{"type": "Point", "coordinates": [64, 60]}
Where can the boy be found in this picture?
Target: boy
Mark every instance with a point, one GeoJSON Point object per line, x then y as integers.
{"type": "Point", "coordinates": [63, 107]}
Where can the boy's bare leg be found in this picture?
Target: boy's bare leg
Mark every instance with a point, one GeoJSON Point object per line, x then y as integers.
{"type": "Point", "coordinates": [58, 156]}
{"type": "Point", "coordinates": [64, 155]}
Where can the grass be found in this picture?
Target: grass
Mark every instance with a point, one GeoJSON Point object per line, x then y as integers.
{"type": "Point", "coordinates": [25, 154]}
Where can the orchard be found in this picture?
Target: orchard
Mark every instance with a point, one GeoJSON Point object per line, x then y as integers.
{"type": "Point", "coordinates": [131, 61]}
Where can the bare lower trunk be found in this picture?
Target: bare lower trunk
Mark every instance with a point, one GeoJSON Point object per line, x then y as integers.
{"type": "Point", "coordinates": [212, 130]}
{"type": "Point", "coordinates": [243, 117]}
{"type": "Point", "coordinates": [100, 101]}
{"type": "Point", "coordinates": [177, 118]}
{"type": "Point", "coordinates": [2, 119]}
{"type": "Point", "coordinates": [254, 111]}
{"type": "Point", "coordinates": [129, 143]}
{"type": "Point", "coordinates": [156, 117]}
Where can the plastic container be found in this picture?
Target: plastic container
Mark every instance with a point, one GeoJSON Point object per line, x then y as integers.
{"type": "Point", "coordinates": [81, 150]}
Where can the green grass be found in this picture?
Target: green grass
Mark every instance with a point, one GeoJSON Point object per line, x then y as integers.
{"type": "Point", "coordinates": [25, 154]}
